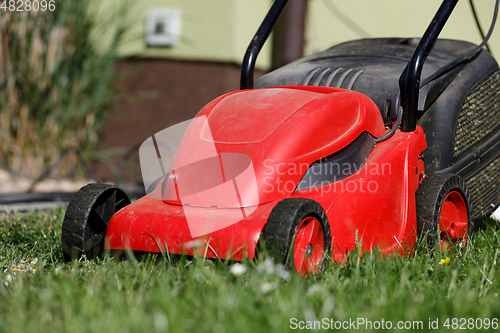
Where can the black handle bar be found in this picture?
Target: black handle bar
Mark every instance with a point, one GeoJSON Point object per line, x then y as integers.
{"type": "Point", "coordinates": [265, 29]}
{"type": "Point", "coordinates": [409, 82]}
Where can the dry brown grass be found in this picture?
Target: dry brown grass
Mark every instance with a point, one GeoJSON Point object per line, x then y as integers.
{"type": "Point", "coordinates": [55, 88]}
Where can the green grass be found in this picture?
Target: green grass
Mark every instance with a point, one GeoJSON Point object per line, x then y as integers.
{"type": "Point", "coordinates": [203, 296]}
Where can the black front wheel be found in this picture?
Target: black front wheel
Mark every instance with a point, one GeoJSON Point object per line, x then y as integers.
{"type": "Point", "coordinates": [297, 233]}
{"type": "Point", "coordinates": [87, 218]}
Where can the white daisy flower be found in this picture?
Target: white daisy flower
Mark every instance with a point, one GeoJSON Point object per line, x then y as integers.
{"type": "Point", "coordinates": [238, 269]}
{"type": "Point", "coordinates": [8, 279]}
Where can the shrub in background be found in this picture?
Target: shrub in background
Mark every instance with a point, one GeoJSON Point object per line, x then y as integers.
{"type": "Point", "coordinates": [55, 85]}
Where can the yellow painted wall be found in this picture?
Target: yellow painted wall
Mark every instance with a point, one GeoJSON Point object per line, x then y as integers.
{"type": "Point", "coordinates": [394, 18]}
{"type": "Point", "coordinates": [220, 30]}
{"type": "Point", "coordinates": [212, 30]}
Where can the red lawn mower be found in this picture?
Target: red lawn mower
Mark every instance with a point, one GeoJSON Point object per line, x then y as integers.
{"type": "Point", "coordinates": [359, 145]}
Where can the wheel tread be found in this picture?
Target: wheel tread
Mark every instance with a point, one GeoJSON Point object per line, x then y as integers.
{"type": "Point", "coordinates": [76, 231]}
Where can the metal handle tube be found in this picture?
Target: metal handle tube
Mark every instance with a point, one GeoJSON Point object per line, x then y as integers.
{"type": "Point", "coordinates": [265, 29]}
{"type": "Point", "coordinates": [409, 82]}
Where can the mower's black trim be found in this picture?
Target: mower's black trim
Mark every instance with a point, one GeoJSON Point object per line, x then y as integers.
{"type": "Point", "coordinates": [409, 81]}
{"type": "Point", "coordinates": [473, 162]}
{"type": "Point", "coordinates": [373, 68]}
{"type": "Point", "coordinates": [339, 165]}
{"type": "Point", "coordinates": [442, 120]}
{"type": "Point", "coordinates": [265, 29]}
{"type": "Point", "coordinates": [393, 129]}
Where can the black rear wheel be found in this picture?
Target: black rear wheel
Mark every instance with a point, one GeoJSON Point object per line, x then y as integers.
{"type": "Point", "coordinates": [444, 210]}
{"type": "Point", "coordinates": [87, 218]}
{"type": "Point", "coordinates": [297, 233]}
